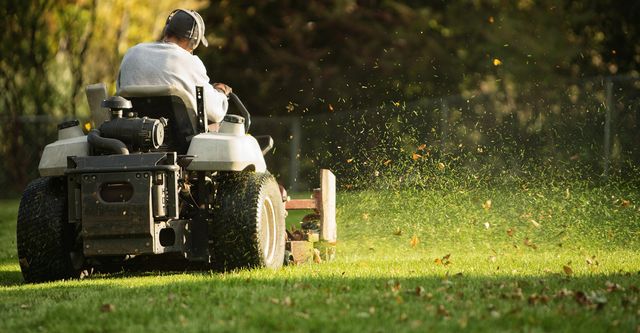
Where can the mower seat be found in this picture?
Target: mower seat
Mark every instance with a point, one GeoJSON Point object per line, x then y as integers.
{"type": "Point", "coordinates": [96, 93]}
{"type": "Point", "coordinates": [169, 102]}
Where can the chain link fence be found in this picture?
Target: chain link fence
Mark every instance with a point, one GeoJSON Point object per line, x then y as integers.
{"type": "Point", "coordinates": [592, 126]}
{"type": "Point", "coordinates": [589, 128]}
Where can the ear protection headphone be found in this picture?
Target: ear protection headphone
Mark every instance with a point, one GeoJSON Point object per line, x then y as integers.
{"type": "Point", "coordinates": [195, 34]}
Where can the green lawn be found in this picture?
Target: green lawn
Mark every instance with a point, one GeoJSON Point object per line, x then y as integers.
{"type": "Point", "coordinates": [529, 258]}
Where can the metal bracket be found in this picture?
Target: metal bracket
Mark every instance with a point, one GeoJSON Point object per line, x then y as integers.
{"type": "Point", "coordinates": [202, 118]}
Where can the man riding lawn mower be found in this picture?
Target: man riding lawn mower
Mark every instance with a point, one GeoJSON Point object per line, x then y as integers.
{"type": "Point", "coordinates": [152, 181]}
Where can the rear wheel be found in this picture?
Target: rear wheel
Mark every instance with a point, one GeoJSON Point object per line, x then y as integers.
{"type": "Point", "coordinates": [248, 228]}
{"type": "Point", "coordinates": [46, 241]}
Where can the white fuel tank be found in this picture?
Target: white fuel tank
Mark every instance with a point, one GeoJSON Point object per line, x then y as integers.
{"type": "Point", "coordinates": [231, 151]}
{"type": "Point", "coordinates": [71, 142]}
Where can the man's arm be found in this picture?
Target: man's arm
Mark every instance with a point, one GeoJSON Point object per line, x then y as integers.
{"type": "Point", "coordinates": [216, 104]}
{"type": "Point", "coordinates": [215, 95]}
{"type": "Point", "coordinates": [223, 88]}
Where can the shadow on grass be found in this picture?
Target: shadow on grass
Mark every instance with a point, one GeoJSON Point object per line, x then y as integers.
{"type": "Point", "coordinates": [298, 300]}
{"type": "Point", "coordinates": [10, 274]}
{"type": "Point", "coordinates": [10, 277]}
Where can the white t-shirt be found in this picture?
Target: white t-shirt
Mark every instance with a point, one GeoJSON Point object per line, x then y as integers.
{"type": "Point", "coordinates": [169, 64]}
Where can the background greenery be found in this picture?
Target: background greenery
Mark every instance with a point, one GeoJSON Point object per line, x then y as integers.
{"type": "Point", "coordinates": [524, 80]}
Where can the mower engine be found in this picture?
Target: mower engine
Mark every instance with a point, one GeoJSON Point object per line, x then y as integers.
{"type": "Point", "coordinates": [127, 203]}
{"type": "Point", "coordinates": [140, 134]}
{"type": "Point", "coordinates": [131, 132]}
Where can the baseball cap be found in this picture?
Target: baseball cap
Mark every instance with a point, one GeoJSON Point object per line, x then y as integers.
{"type": "Point", "coordinates": [188, 24]}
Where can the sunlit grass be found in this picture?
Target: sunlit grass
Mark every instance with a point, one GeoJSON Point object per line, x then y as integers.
{"type": "Point", "coordinates": [408, 260]}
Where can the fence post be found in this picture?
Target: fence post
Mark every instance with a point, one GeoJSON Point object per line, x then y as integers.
{"type": "Point", "coordinates": [607, 127]}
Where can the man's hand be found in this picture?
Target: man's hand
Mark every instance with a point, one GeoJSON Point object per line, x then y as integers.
{"type": "Point", "coordinates": [223, 88]}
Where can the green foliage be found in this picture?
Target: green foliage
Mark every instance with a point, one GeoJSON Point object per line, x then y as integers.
{"type": "Point", "coordinates": [353, 54]}
{"type": "Point", "coordinates": [38, 40]}
{"type": "Point", "coordinates": [307, 56]}
{"type": "Point", "coordinates": [50, 50]}
{"type": "Point", "coordinates": [521, 80]}
{"type": "Point", "coordinates": [26, 53]}
{"type": "Point", "coordinates": [492, 86]}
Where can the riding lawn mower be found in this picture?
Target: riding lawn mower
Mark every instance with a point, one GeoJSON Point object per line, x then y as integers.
{"type": "Point", "coordinates": [150, 180]}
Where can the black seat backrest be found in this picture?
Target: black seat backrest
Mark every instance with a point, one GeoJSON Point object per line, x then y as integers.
{"type": "Point", "coordinates": [168, 102]}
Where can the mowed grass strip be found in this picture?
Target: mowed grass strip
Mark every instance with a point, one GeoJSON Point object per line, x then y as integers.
{"type": "Point", "coordinates": [530, 258]}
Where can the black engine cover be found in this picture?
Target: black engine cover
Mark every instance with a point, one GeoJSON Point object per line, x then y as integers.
{"type": "Point", "coordinates": [139, 134]}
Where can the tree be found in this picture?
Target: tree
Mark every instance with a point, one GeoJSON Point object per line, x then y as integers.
{"type": "Point", "coordinates": [27, 51]}
{"type": "Point", "coordinates": [321, 55]}
{"type": "Point", "coordinates": [50, 50]}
